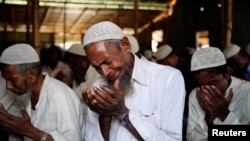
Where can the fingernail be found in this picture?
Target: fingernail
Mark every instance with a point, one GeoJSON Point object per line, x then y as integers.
{"type": "Point", "coordinates": [94, 102]}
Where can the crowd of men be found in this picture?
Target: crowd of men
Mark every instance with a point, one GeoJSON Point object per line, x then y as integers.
{"type": "Point", "coordinates": [103, 90]}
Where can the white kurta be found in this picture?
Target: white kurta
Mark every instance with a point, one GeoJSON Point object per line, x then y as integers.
{"type": "Point", "coordinates": [58, 112]}
{"type": "Point", "coordinates": [197, 129]}
{"type": "Point", "coordinates": [156, 105]}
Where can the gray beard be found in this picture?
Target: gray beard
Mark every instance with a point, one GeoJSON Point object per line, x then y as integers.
{"type": "Point", "coordinates": [23, 100]}
{"type": "Point", "coordinates": [125, 84]}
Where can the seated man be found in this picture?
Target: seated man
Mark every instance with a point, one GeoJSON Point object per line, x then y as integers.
{"type": "Point", "coordinates": [53, 112]}
{"type": "Point", "coordinates": [220, 98]}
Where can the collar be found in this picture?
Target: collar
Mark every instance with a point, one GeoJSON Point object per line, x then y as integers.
{"type": "Point", "coordinates": [139, 75]}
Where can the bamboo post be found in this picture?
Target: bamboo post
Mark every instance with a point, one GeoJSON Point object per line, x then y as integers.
{"type": "Point", "coordinates": [227, 21]}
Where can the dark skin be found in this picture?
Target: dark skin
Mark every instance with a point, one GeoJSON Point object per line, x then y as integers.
{"type": "Point", "coordinates": [171, 60]}
{"type": "Point", "coordinates": [211, 94]}
{"type": "Point", "coordinates": [20, 84]}
{"type": "Point", "coordinates": [81, 68]}
{"type": "Point", "coordinates": [110, 62]}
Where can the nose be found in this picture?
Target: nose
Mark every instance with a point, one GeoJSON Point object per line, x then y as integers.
{"type": "Point", "coordinates": [9, 85]}
{"type": "Point", "coordinates": [104, 71]}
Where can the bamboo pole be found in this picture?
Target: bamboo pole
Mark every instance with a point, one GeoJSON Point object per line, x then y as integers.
{"type": "Point", "coordinates": [227, 22]}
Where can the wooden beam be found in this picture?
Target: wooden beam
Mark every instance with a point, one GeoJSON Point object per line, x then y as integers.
{"type": "Point", "coordinates": [36, 33]}
{"type": "Point", "coordinates": [227, 22]}
{"type": "Point", "coordinates": [77, 22]}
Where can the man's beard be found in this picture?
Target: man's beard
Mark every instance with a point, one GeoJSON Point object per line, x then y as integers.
{"type": "Point", "coordinates": [125, 84]}
{"type": "Point", "coordinates": [24, 99]}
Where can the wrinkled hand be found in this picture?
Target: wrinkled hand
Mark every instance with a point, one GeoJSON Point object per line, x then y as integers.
{"type": "Point", "coordinates": [19, 125]}
{"type": "Point", "coordinates": [105, 100]}
{"type": "Point", "coordinates": [214, 102]}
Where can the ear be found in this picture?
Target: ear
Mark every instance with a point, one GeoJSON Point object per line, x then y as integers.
{"type": "Point", "coordinates": [229, 73]}
{"type": "Point", "coordinates": [125, 45]}
{"type": "Point", "coordinates": [32, 75]}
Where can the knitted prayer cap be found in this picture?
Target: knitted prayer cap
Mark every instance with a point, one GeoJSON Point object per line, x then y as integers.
{"type": "Point", "coordinates": [102, 31]}
{"type": "Point", "coordinates": [77, 49]}
{"type": "Point", "coordinates": [230, 51]}
{"type": "Point", "coordinates": [20, 53]}
{"type": "Point", "coordinates": [207, 57]}
{"type": "Point", "coordinates": [163, 51]}
{"type": "Point", "coordinates": [134, 43]}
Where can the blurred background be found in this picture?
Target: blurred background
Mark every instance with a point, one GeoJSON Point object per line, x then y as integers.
{"type": "Point", "coordinates": [179, 23]}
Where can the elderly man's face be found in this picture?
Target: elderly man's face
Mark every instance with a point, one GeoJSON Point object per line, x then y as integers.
{"type": "Point", "coordinates": [15, 81]}
{"type": "Point", "coordinates": [110, 61]}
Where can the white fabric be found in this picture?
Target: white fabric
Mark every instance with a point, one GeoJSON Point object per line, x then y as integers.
{"type": "Point", "coordinates": [207, 57]}
{"type": "Point", "coordinates": [58, 112]}
{"type": "Point", "coordinates": [239, 111]}
{"type": "Point", "coordinates": [163, 52]}
{"type": "Point", "coordinates": [156, 105]}
{"type": "Point", "coordinates": [77, 49]}
{"type": "Point", "coordinates": [133, 43]}
{"type": "Point", "coordinates": [230, 51]}
{"type": "Point", "coordinates": [90, 77]}
{"type": "Point", "coordinates": [63, 67]}
{"type": "Point", "coordinates": [102, 31]}
{"type": "Point", "coordinates": [148, 54]}
{"type": "Point", "coordinates": [19, 54]}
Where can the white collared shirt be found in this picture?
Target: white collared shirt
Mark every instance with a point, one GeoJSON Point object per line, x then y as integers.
{"type": "Point", "coordinates": [197, 129]}
{"type": "Point", "coordinates": [58, 112]}
{"type": "Point", "coordinates": [156, 105]}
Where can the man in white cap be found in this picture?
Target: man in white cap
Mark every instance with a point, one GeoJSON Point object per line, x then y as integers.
{"type": "Point", "coordinates": [84, 74]}
{"type": "Point", "coordinates": [219, 99]}
{"type": "Point", "coordinates": [238, 61]}
{"type": "Point", "coordinates": [53, 112]}
{"type": "Point", "coordinates": [55, 66]}
{"type": "Point", "coordinates": [8, 100]}
{"type": "Point", "coordinates": [166, 56]}
{"type": "Point", "coordinates": [134, 99]}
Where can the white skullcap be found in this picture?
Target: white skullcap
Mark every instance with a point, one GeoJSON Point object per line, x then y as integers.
{"type": "Point", "coordinates": [102, 31]}
{"type": "Point", "coordinates": [134, 43]}
{"type": "Point", "coordinates": [163, 51]}
{"type": "Point", "coordinates": [19, 54]}
{"type": "Point", "coordinates": [77, 49]}
{"type": "Point", "coordinates": [207, 57]}
{"type": "Point", "coordinates": [230, 51]}
{"type": "Point", "coordinates": [148, 54]}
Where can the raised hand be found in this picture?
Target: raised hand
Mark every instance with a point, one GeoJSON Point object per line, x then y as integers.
{"type": "Point", "coordinates": [214, 102]}
{"type": "Point", "coordinates": [13, 123]}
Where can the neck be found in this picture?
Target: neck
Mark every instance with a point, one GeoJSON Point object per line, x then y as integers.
{"type": "Point", "coordinates": [36, 89]}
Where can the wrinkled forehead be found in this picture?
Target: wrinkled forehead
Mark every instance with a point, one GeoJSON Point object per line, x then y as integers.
{"type": "Point", "coordinates": [101, 51]}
